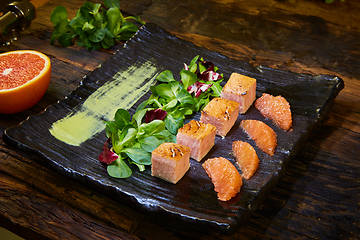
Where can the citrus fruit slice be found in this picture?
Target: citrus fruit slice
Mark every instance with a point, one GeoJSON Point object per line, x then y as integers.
{"type": "Point", "coordinates": [246, 158]}
{"type": "Point", "coordinates": [275, 108]}
{"type": "Point", "coordinates": [225, 177]}
{"type": "Point", "coordinates": [24, 79]}
{"type": "Point", "coordinates": [263, 135]}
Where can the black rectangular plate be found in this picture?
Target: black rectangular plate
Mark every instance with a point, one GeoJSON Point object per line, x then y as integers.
{"type": "Point", "coordinates": [193, 199]}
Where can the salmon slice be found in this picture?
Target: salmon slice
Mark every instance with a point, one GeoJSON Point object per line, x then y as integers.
{"type": "Point", "coordinates": [170, 161]}
{"type": "Point", "coordinates": [222, 113]}
{"type": "Point", "coordinates": [275, 108]}
{"type": "Point", "coordinates": [246, 158]}
{"type": "Point", "coordinates": [263, 135]}
{"type": "Point", "coordinates": [198, 136]}
{"type": "Point", "coordinates": [241, 89]}
{"type": "Point", "coordinates": [224, 176]}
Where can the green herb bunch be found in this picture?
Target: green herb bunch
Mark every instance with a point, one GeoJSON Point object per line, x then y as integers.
{"type": "Point", "coordinates": [173, 96]}
{"type": "Point", "coordinates": [94, 26]}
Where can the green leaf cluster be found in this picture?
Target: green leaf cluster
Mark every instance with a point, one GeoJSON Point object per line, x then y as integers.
{"type": "Point", "coordinates": [94, 26]}
{"type": "Point", "coordinates": [172, 95]}
{"type": "Point", "coordinates": [134, 141]}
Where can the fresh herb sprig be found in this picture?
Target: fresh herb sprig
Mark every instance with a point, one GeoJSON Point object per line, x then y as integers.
{"type": "Point", "coordinates": [94, 26]}
{"type": "Point", "coordinates": [157, 119]}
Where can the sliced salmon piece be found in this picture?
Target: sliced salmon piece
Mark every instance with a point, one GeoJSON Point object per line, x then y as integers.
{"type": "Point", "coordinates": [275, 108]}
{"type": "Point", "coordinates": [246, 158]}
{"type": "Point", "coordinates": [263, 135]}
{"type": "Point", "coordinates": [224, 176]}
{"type": "Point", "coordinates": [198, 136]}
{"type": "Point", "coordinates": [241, 89]}
{"type": "Point", "coordinates": [222, 113]}
{"type": "Point", "coordinates": [170, 161]}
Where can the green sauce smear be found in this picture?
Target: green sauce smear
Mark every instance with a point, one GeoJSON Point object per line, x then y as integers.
{"type": "Point", "coordinates": [123, 92]}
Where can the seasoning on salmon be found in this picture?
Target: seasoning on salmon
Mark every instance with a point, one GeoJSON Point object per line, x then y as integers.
{"type": "Point", "coordinates": [170, 161]}
{"type": "Point", "coordinates": [225, 177]}
{"type": "Point", "coordinates": [246, 158]}
{"type": "Point", "coordinates": [200, 137]}
{"type": "Point", "coordinates": [241, 89]}
{"type": "Point", "coordinates": [275, 108]}
{"type": "Point", "coordinates": [222, 113]}
{"type": "Point", "coordinates": [263, 135]}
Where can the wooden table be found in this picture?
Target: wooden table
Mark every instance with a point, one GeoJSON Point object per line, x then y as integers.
{"type": "Point", "coordinates": [318, 196]}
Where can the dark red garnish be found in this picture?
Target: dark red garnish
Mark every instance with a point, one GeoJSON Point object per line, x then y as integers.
{"type": "Point", "coordinates": [209, 75]}
{"type": "Point", "coordinates": [198, 88]}
{"type": "Point", "coordinates": [107, 156]}
{"type": "Point", "coordinates": [156, 114]}
{"type": "Point", "coordinates": [208, 65]}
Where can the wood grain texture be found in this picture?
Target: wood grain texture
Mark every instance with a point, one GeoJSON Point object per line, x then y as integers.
{"type": "Point", "coordinates": [45, 215]}
{"type": "Point", "coordinates": [317, 198]}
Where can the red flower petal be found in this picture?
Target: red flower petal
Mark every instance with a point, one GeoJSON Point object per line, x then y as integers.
{"type": "Point", "coordinates": [107, 156]}
{"type": "Point", "coordinates": [156, 114]}
{"type": "Point", "coordinates": [192, 88]}
{"type": "Point", "coordinates": [210, 76]}
{"type": "Point", "coordinates": [198, 88]}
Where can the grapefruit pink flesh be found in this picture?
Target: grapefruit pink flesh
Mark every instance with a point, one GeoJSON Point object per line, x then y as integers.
{"type": "Point", "coordinates": [275, 108]}
{"type": "Point", "coordinates": [263, 135]}
{"type": "Point", "coordinates": [16, 71]}
{"type": "Point", "coordinates": [246, 158]}
{"type": "Point", "coordinates": [225, 177]}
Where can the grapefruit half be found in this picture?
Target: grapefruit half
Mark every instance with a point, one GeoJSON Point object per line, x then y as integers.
{"type": "Point", "coordinates": [24, 79]}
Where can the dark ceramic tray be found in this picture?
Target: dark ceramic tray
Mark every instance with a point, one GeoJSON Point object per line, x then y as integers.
{"type": "Point", "coordinates": [193, 199]}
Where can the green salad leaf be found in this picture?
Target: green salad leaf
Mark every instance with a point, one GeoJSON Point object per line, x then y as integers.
{"type": "Point", "coordinates": [94, 25]}
{"type": "Point", "coordinates": [119, 169]}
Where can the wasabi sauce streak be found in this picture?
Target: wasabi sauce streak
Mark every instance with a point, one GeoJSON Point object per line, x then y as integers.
{"type": "Point", "coordinates": [124, 91]}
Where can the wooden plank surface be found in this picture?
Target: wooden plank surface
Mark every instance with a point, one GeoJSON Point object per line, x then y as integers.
{"type": "Point", "coordinates": [318, 196]}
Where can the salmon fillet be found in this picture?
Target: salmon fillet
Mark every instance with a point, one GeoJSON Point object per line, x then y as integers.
{"type": "Point", "coordinates": [222, 113]}
{"type": "Point", "coordinates": [170, 161]}
{"type": "Point", "coordinates": [275, 108]}
{"type": "Point", "coordinates": [225, 177]}
{"type": "Point", "coordinates": [198, 136]}
{"type": "Point", "coordinates": [263, 135]}
{"type": "Point", "coordinates": [241, 89]}
{"type": "Point", "coordinates": [246, 158]}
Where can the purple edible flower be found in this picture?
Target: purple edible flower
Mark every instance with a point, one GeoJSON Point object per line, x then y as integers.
{"type": "Point", "coordinates": [156, 114]}
{"type": "Point", "coordinates": [198, 88]}
{"type": "Point", "coordinates": [209, 75]}
{"type": "Point", "coordinates": [107, 156]}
